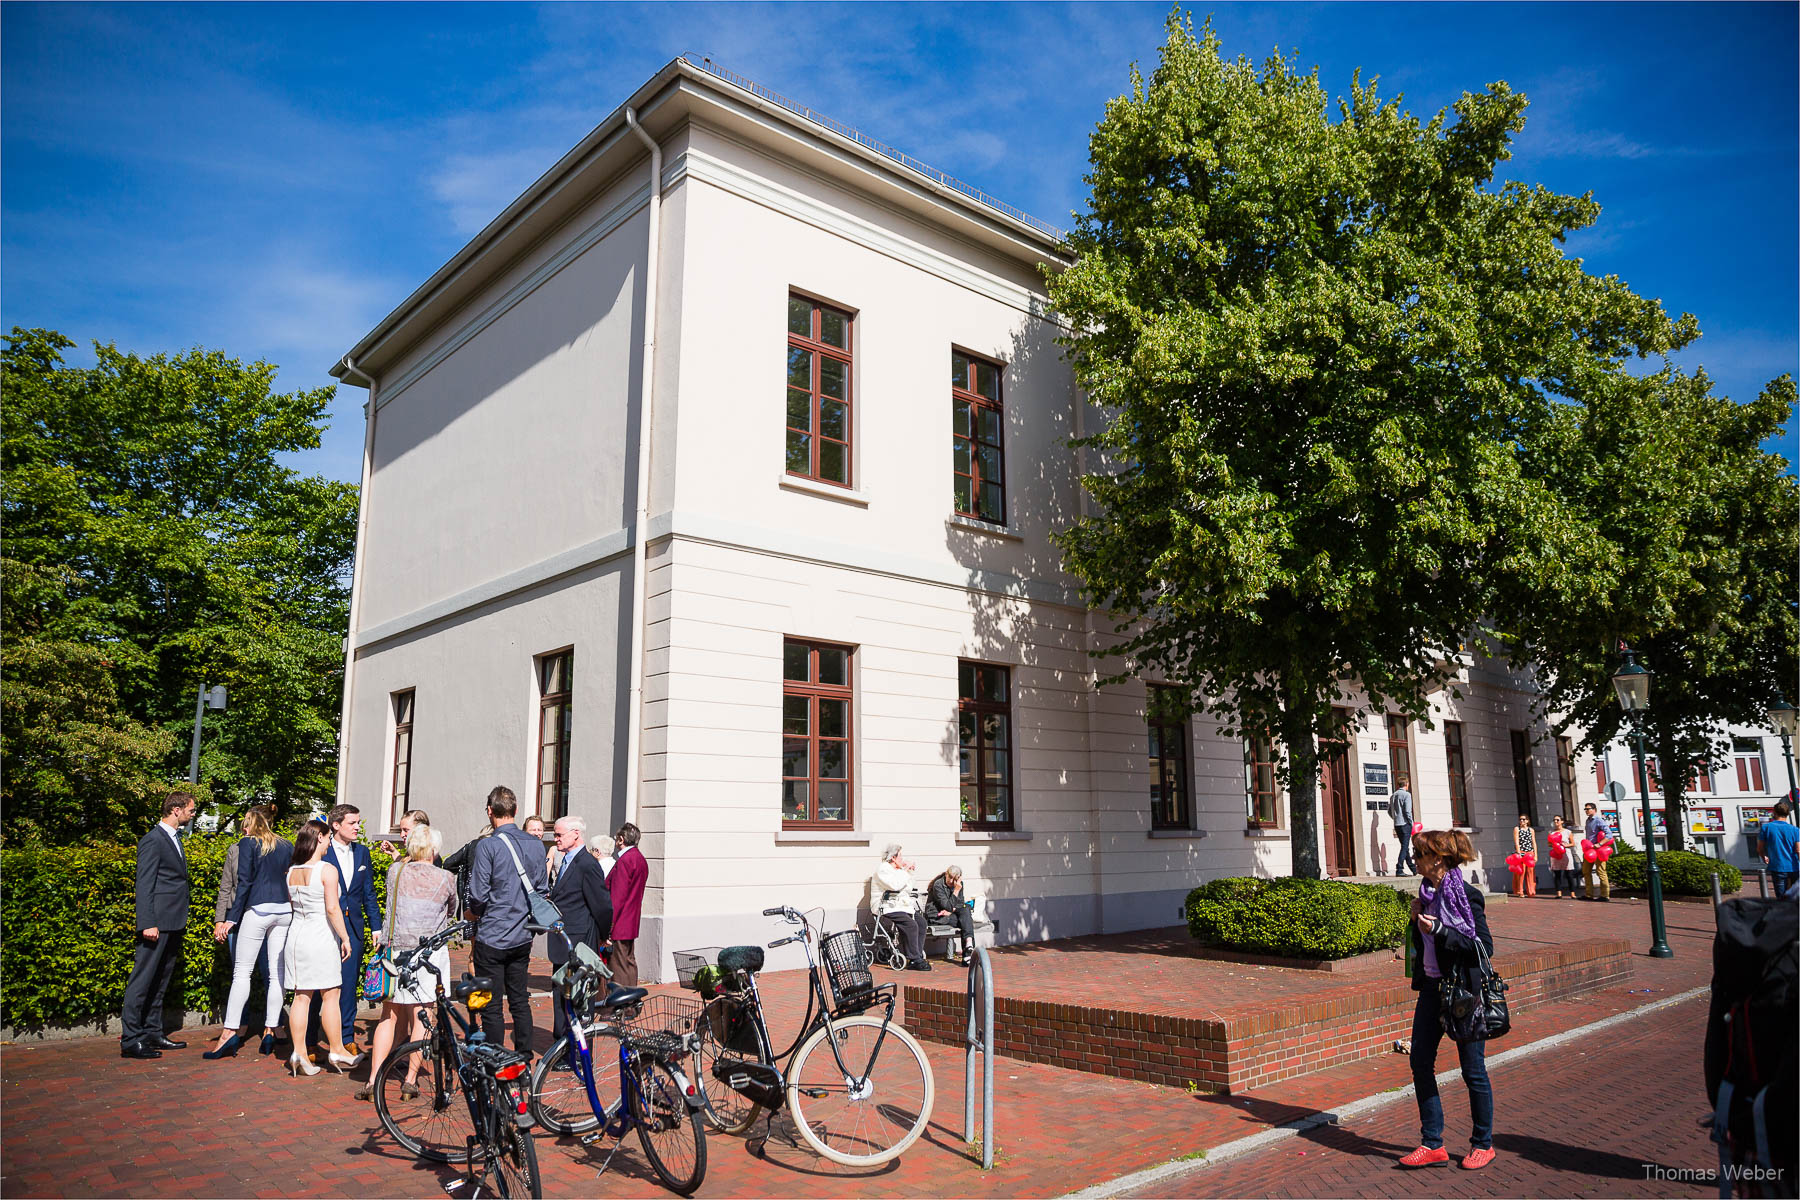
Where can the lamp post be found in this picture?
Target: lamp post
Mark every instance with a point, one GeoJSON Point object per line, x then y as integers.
{"type": "Point", "coordinates": [1632, 683]}
{"type": "Point", "coordinates": [1786, 720]}
{"type": "Point", "coordinates": [213, 698]}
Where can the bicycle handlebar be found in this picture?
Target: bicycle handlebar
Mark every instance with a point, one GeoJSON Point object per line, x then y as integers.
{"type": "Point", "coordinates": [780, 911]}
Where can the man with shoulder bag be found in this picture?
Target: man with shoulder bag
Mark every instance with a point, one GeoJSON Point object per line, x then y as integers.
{"type": "Point", "coordinates": [506, 886]}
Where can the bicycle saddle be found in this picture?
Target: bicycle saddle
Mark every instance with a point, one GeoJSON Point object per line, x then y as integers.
{"type": "Point", "coordinates": [471, 983]}
{"type": "Point", "coordinates": [741, 958]}
{"type": "Point", "coordinates": [621, 997]}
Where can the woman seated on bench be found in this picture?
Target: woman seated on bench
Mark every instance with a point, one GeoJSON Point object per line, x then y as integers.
{"type": "Point", "coordinates": [945, 904]}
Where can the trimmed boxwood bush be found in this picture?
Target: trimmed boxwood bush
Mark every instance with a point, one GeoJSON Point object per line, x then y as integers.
{"type": "Point", "coordinates": [1297, 918]}
{"type": "Point", "coordinates": [67, 916]}
{"type": "Point", "coordinates": [1683, 872]}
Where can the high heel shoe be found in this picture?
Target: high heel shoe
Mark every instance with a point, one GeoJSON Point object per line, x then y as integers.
{"type": "Point", "coordinates": [268, 1044]}
{"type": "Point", "coordinates": [298, 1066]}
{"type": "Point", "coordinates": [340, 1063]}
{"type": "Point", "coordinates": [228, 1050]}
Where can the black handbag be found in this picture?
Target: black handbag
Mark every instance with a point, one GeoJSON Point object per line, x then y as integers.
{"type": "Point", "coordinates": [1478, 1013]}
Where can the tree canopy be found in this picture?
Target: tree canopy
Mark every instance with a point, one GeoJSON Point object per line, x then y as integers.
{"type": "Point", "coordinates": [1320, 341]}
{"type": "Point", "coordinates": [155, 541]}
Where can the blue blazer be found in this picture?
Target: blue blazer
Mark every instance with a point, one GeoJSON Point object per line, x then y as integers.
{"type": "Point", "coordinates": [356, 896]}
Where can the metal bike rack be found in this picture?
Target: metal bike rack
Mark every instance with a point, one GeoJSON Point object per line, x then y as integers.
{"type": "Point", "coordinates": [981, 1001]}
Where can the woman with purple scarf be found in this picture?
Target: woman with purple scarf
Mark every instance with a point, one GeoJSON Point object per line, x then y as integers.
{"type": "Point", "coordinates": [1449, 915]}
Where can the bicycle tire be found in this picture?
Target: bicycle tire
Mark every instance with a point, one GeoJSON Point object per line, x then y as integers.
{"type": "Point", "coordinates": [878, 1125]}
{"type": "Point", "coordinates": [674, 1139]}
{"type": "Point", "coordinates": [727, 1111]}
{"type": "Point", "coordinates": [434, 1123]}
{"type": "Point", "coordinates": [558, 1100]}
{"type": "Point", "coordinates": [513, 1164]}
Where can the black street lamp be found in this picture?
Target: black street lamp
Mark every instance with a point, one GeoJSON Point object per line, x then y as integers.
{"type": "Point", "coordinates": [1632, 683]}
{"type": "Point", "coordinates": [1787, 721]}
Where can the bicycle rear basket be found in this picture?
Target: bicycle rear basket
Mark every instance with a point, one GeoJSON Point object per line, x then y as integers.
{"type": "Point", "coordinates": [661, 1023]}
{"type": "Point", "coordinates": [847, 968]}
{"type": "Point", "coordinates": [691, 969]}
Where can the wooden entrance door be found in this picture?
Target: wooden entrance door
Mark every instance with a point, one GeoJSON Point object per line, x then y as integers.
{"type": "Point", "coordinates": [1334, 794]}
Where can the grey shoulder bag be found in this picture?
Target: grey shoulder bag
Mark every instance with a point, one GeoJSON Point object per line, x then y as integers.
{"type": "Point", "coordinates": [544, 914]}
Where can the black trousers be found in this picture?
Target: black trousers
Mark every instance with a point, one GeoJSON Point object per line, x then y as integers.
{"type": "Point", "coordinates": [910, 929]}
{"type": "Point", "coordinates": [153, 967]}
{"type": "Point", "coordinates": [508, 969]}
{"type": "Point", "coordinates": [964, 920]}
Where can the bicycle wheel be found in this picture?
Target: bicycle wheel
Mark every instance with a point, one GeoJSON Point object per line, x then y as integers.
{"type": "Point", "coordinates": [512, 1163]}
{"type": "Point", "coordinates": [419, 1098]}
{"type": "Point", "coordinates": [674, 1139]}
{"type": "Point", "coordinates": [726, 1110]}
{"type": "Point", "coordinates": [559, 1102]}
{"type": "Point", "coordinates": [860, 1126]}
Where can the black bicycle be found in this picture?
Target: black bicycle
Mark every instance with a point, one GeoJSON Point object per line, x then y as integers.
{"type": "Point", "coordinates": [644, 1077]}
{"type": "Point", "coordinates": [857, 1085]}
{"type": "Point", "coordinates": [459, 1100]}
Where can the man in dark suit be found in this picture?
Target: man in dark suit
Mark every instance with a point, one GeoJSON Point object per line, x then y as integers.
{"type": "Point", "coordinates": [162, 916]}
{"type": "Point", "coordinates": [580, 894]}
{"type": "Point", "coordinates": [356, 900]}
{"type": "Point", "coordinates": [626, 883]}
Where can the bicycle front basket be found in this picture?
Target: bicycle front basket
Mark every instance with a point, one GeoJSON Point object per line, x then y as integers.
{"type": "Point", "coordinates": [847, 967]}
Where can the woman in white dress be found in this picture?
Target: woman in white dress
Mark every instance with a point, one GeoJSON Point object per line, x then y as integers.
{"type": "Point", "coordinates": [316, 949]}
{"type": "Point", "coordinates": [421, 902]}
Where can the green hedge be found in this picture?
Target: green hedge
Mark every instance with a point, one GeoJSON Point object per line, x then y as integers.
{"type": "Point", "coordinates": [67, 920]}
{"type": "Point", "coordinates": [1683, 872]}
{"type": "Point", "coordinates": [1297, 918]}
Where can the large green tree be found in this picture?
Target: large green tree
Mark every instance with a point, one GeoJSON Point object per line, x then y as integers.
{"type": "Point", "coordinates": [155, 540]}
{"type": "Point", "coordinates": [1318, 336]}
{"type": "Point", "coordinates": [1693, 537]}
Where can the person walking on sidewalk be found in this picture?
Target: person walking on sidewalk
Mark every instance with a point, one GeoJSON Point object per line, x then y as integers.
{"type": "Point", "coordinates": [1779, 850]}
{"type": "Point", "coordinates": [162, 916]}
{"type": "Point", "coordinates": [1449, 917]}
{"type": "Point", "coordinates": [1400, 811]}
{"type": "Point", "coordinates": [1595, 832]}
{"type": "Point", "coordinates": [1525, 855]}
{"type": "Point", "coordinates": [1563, 857]}
{"type": "Point", "coordinates": [497, 898]}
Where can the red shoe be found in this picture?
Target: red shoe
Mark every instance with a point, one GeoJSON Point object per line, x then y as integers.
{"type": "Point", "coordinates": [1425, 1156]}
{"type": "Point", "coordinates": [1478, 1158]}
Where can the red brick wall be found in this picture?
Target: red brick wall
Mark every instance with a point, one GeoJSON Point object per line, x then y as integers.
{"type": "Point", "coordinates": [1248, 1049]}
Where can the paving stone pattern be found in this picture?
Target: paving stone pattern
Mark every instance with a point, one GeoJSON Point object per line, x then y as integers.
{"type": "Point", "coordinates": [80, 1121]}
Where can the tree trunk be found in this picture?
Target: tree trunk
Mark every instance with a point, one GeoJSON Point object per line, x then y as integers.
{"type": "Point", "coordinates": [1297, 737]}
{"type": "Point", "coordinates": [1676, 772]}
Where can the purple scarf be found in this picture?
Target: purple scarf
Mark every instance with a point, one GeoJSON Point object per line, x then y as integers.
{"type": "Point", "coordinates": [1449, 904]}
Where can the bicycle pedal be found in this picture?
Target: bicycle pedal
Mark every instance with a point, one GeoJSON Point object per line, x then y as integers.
{"type": "Point", "coordinates": [814, 1093]}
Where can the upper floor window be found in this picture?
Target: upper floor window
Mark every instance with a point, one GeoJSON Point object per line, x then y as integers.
{"type": "Point", "coordinates": [1399, 751]}
{"type": "Point", "coordinates": [979, 453]}
{"type": "Point", "coordinates": [1565, 776]}
{"type": "Point", "coordinates": [401, 790]}
{"type": "Point", "coordinates": [556, 684]}
{"type": "Point", "coordinates": [1601, 771]}
{"type": "Point", "coordinates": [818, 391]}
{"type": "Point", "coordinates": [1456, 767]}
{"type": "Point", "coordinates": [816, 725]}
{"type": "Point", "coordinates": [1524, 788]}
{"type": "Point", "coordinates": [984, 745]}
{"type": "Point", "coordinates": [1166, 715]}
{"type": "Point", "coordinates": [1262, 793]}
{"type": "Point", "coordinates": [1652, 777]}
{"type": "Point", "coordinates": [1746, 755]}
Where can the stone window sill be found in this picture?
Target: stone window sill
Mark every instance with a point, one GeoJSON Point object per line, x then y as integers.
{"type": "Point", "coordinates": [974, 525]}
{"type": "Point", "coordinates": [825, 491]}
{"type": "Point", "coordinates": [1271, 835]}
{"type": "Point", "coordinates": [970, 837]}
{"type": "Point", "coordinates": [1178, 834]}
{"type": "Point", "coordinates": [832, 837]}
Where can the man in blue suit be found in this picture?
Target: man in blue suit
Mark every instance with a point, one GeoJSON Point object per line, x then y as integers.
{"type": "Point", "coordinates": [356, 898]}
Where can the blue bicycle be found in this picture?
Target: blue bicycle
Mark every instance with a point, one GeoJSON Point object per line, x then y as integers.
{"type": "Point", "coordinates": [655, 1036]}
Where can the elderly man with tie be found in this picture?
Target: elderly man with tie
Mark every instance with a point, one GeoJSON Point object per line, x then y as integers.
{"type": "Point", "coordinates": [580, 894]}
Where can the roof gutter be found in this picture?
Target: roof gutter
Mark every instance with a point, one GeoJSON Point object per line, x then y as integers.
{"type": "Point", "coordinates": [640, 530]}
{"type": "Point", "coordinates": [348, 366]}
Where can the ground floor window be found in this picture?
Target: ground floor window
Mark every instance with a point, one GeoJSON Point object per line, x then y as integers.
{"type": "Point", "coordinates": [984, 745]}
{"type": "Point", "coordinates": [816, 733]}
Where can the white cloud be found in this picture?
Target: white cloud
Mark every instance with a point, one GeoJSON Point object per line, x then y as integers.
{"type": "Point", "coordinates": [475, 188]}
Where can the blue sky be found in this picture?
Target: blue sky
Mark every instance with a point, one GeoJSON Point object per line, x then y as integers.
{"type": "Point", "coordinates": [270, 180]}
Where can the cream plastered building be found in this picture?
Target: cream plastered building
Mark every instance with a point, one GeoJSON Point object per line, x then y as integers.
{"type": "Point", "coordinates": [762, 630]}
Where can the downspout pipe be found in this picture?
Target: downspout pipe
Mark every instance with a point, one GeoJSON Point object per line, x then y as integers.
{"type": "Point", "coordinates": [640, 585]}
{"type": "Point", "coordinates": [356, 573]}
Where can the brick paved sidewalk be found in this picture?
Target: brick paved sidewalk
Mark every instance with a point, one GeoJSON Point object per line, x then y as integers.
{"type": "Point", "coordinates": [81, 1122]}
{"type": "Point", "coordinates": [1576, 1120]}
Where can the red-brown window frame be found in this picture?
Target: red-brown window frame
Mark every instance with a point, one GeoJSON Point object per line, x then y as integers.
{"type": "Point", "coordinates": [962, 391]}
{"type": "Point", "coordinates": [1165, 717]}
{"type": "Point", "coordinates": [815, 344]}
{"type": "Point", "coordinates": [562, 703]}
{"type": "Point", "coordinates": [1456, 767]}
{"type": "Point", "coordinates": [814, 691]}
{"type": "Point", "coordinates": [1399, 751]}
{"type": "Point", "coordinates": [1260, 756]}
{"type": "Point", "coordinates": [1741, 758]}
{"type": "Point", "coordinates": [1652, 773]}
{"type": "Point", "coordinates": [1601, 771]}
{"type": "Point", "coordinates": [970, 705]}
{"type": "Point", "coordinates": [400, 791]}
